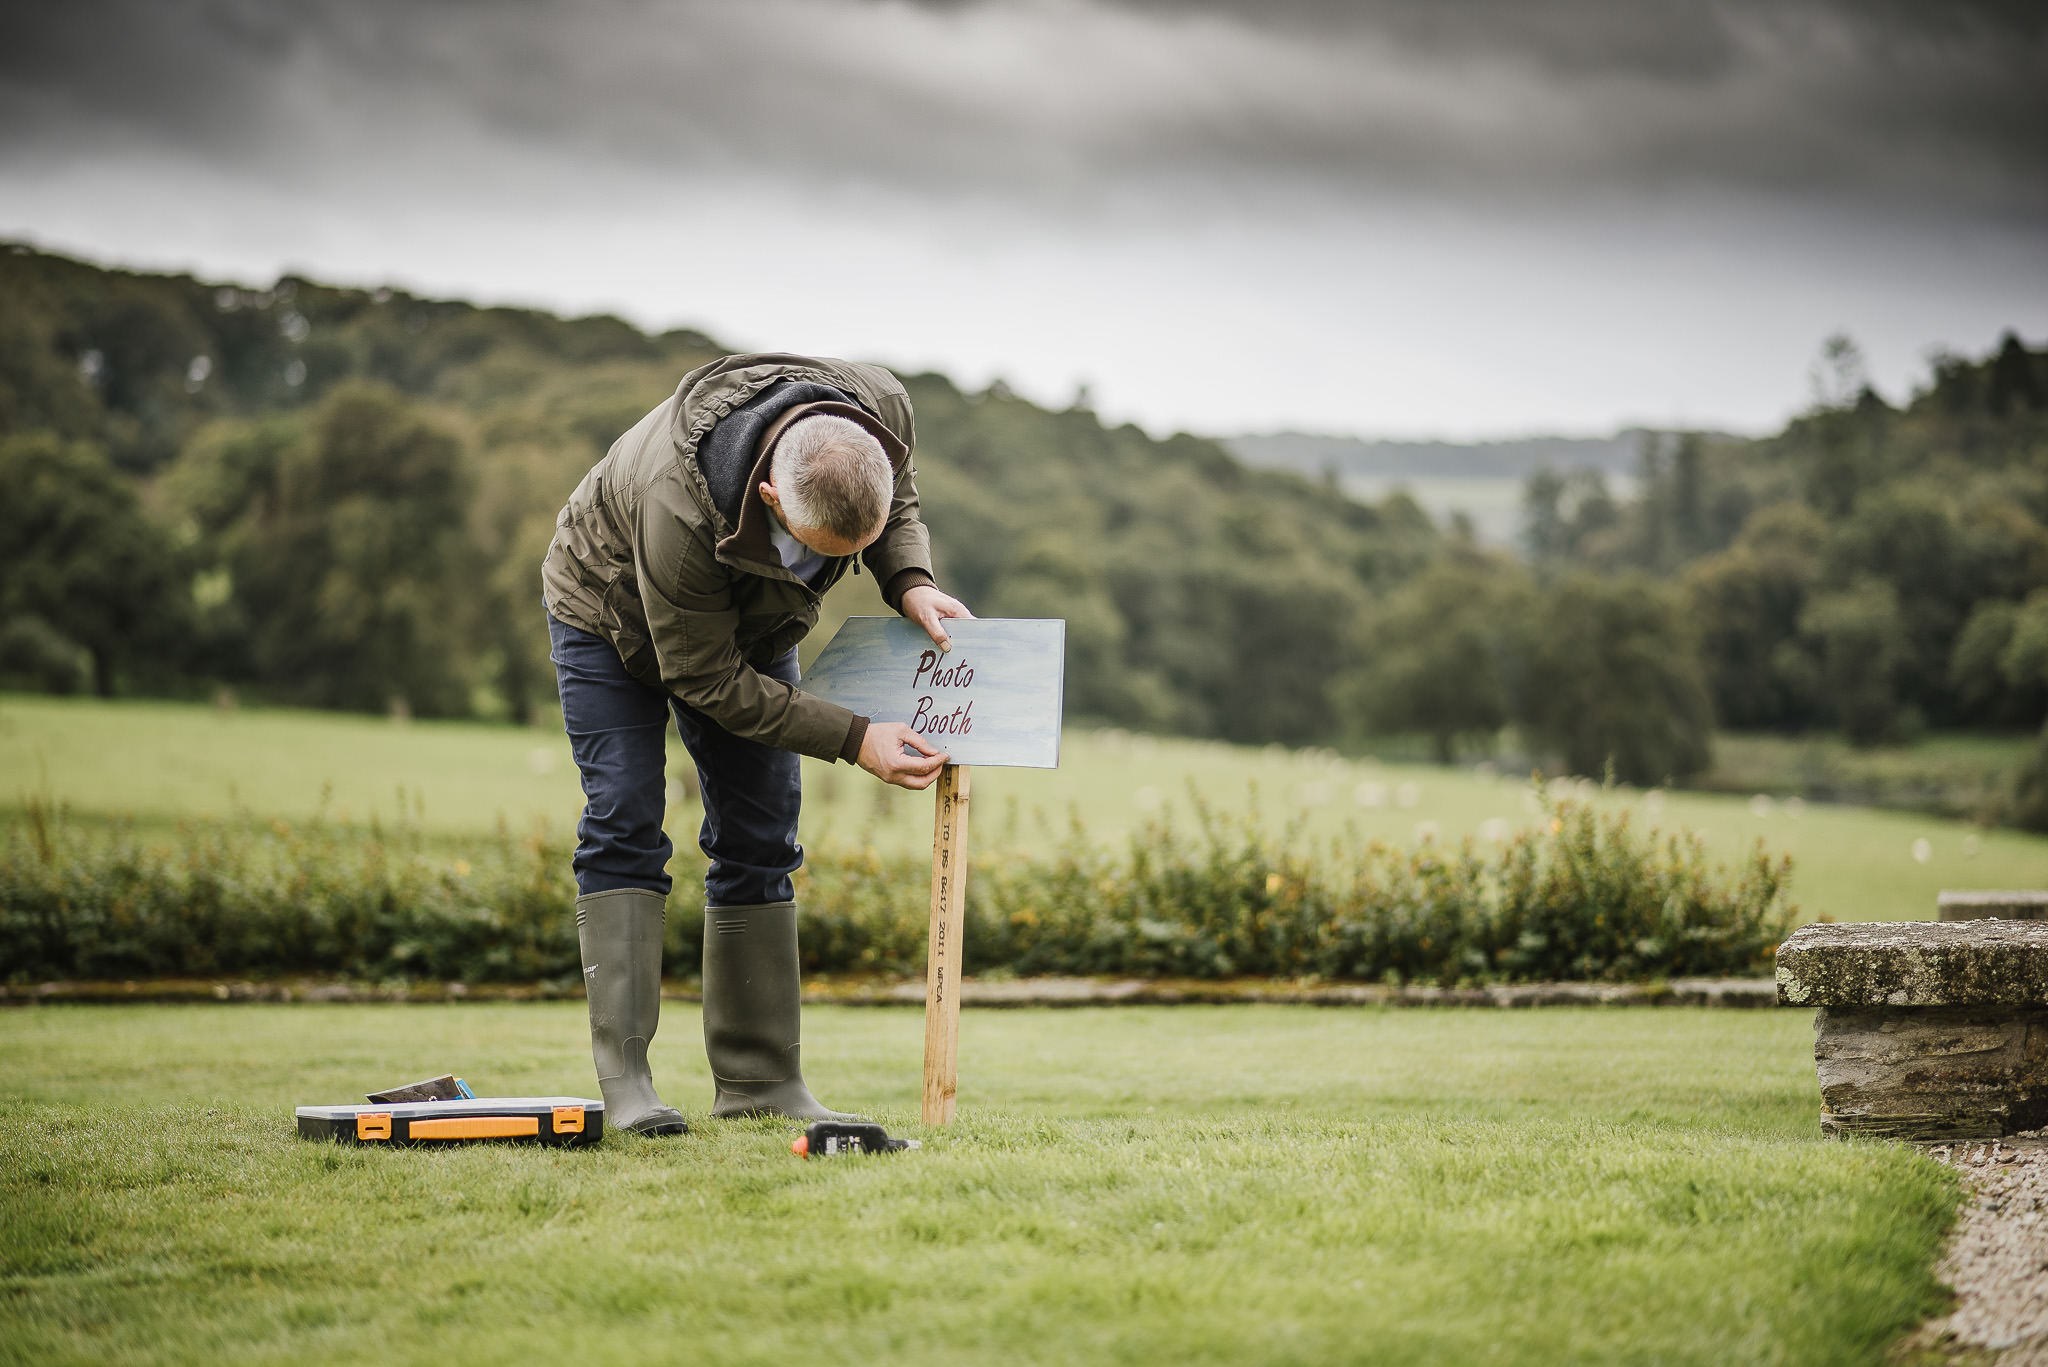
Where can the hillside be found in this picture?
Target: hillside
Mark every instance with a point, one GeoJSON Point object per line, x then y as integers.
{"type": "Point", "coordinates": [340, 497]}
{"type": "Point", "coordinates": [1201, 597]}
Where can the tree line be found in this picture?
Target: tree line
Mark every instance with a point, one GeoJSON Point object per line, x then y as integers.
{"type": "Point", "coordinates": [1870, 570]}
{"type": "Point", "coordinates": [340, 497]}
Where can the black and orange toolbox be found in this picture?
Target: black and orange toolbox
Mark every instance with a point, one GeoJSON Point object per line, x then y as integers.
{"type": "Point", "coordinates": [555, 1120]}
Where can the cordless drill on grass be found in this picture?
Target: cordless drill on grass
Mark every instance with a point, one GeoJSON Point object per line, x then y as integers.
{"type": "Point", "coordinates": [830, 1138]}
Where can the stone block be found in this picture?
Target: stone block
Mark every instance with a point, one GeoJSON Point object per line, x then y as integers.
{"type": "Point", "coordinates": [1932, 1072]}
{"type": "Point", "coordinates": [1916, 963]}
{"type": "Point", "coordinates": [2012, 904]}
{"type": "Point", "coordinates": [1925, 1030]}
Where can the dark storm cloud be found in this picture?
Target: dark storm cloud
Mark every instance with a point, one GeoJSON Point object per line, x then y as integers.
{"type": "Point", "coordinates": [1933, 109]}
{"type": "Point", "coordinates": [1665, 39]}
{"type": "Point", "coordinates": [1899, 94]}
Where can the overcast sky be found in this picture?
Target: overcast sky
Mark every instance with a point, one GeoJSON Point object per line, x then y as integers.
{"type": "Point", "coordinates": [1411, 217]}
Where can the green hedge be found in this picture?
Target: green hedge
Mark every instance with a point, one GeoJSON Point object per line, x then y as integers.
{"type": "Point", "coordinates": [1584, 896]}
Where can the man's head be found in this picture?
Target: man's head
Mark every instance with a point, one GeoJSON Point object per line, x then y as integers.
{"type": "Point", "coordinates": [831, 481]}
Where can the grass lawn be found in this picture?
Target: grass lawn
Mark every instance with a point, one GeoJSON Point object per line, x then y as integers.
{"type": "Point", "coordinates": [1237, 1184]}
{"type": "Point", "coordinates": [158, 762]}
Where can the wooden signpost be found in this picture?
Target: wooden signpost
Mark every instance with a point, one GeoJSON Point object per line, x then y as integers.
{"type": "Point", "coordinates": [993, 699]}
{"type": "Point", "coordinates": [942, 956]}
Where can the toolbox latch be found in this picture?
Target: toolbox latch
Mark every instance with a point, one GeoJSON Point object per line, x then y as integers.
{"type": "Point", "coordinates": [568, 1120]}
{"type": "Point", "coordinates": [373, 1125]}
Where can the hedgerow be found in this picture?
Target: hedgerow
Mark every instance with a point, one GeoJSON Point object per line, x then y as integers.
{"type": "Point", "coordinates": [1582, 896]}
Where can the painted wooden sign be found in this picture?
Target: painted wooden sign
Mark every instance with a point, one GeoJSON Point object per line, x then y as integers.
{"type": "Point", "coordinates": [994, 698]}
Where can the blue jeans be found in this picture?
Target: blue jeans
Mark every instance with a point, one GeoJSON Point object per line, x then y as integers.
{"type": "Point", "coordinates": [618, 730]}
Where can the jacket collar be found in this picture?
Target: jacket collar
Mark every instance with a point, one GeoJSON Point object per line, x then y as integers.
{"type": "Point", "coordinates": [748, 545]}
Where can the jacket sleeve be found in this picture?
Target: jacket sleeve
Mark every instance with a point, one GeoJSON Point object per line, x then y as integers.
{"type": "Point", "coordinates": [691, 624]}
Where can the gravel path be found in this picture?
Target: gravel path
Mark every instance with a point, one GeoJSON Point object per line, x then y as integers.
{"type": "Point", "coordinates": [1998, 1260]}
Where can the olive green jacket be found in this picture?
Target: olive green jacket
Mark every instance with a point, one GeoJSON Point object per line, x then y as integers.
{"type": "Point", "coordinates": [695, 601]}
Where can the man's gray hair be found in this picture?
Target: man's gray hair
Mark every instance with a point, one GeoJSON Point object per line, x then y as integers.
{"type": "Point", "coordinates": [833, 476]}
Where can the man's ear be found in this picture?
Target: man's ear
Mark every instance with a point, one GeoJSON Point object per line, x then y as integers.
{"type": "Point", "coordinates": [770, 497]}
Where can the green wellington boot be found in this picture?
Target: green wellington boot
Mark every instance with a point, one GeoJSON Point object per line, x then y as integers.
{"type": "Point", "coordinates": [620, 935]}
{"type": "Point", "coordinates": [753, 1000]}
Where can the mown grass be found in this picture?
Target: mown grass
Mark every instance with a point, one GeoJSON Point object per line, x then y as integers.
{"type": "Point", "coordinates": [159, 763]}
{"type": "Point", "coordinates": [1182, 1185]}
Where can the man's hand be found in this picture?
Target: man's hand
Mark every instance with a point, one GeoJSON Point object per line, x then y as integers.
{"type": "Point", "coordinates": [929, 608]}
{"type": "Point", "coordinates": [881, 753]}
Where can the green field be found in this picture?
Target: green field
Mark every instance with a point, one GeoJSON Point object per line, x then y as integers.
{"type": "Point", "coordinates": [1141, 1185]}
{"type": "Point", "coordinates": [1237, 1184]}
{"type": "Point", "coordinates": [1951, 774]}
{"type": "Point", "coordinates": [158, 762]}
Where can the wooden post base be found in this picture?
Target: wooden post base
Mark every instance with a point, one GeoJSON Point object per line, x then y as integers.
{"type": "Point", "coordinates": [942, 971]}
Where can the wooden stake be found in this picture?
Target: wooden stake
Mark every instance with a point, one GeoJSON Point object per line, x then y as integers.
{"type": "Point", "coordinates": [942, 971]}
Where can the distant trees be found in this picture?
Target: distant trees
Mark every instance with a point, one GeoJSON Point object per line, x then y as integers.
{"type": "Point", "coordinates": [1615, 678]}
{"type": "Point", "coordinates": [1859, 635]}
{"type": "Point", "coordinates": [1051, 577]}
{"type": "Point", "coordinates": [2000, 662]}
{"type": "Point", "coordinates": [2014, 384]}
{"type": "Point", "coordinates": [1860, 570]}
{"type": "Point", "coordinates": [1288, 630]}
{"type": "Point", "coordinates": [1691, 532]}
{"type": "Point", "coordinates": [339, 554]}
{"type": "Point", "coordinates": [341, 497]}
{"type": "Point", "coordinates": [1570, 519]}
{"type": "Point", "coordinates": [42, 389]}
{"type": "Point", "coordinates": [362, 484]}
{"type": "Point", "coordinates": [1442, 655]}
{"type": "Point", "coordinates": [1745, 602]}
{"type": "Point", "coordinates": [89, 584]}
{"type": "Point", "coordinates": [1870, 569]}
{"type": "Point", "coordinates": [1594, 672]}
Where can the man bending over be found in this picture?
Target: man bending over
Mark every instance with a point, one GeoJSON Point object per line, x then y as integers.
{"type": "Point", "coordinates": [683, 572]}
